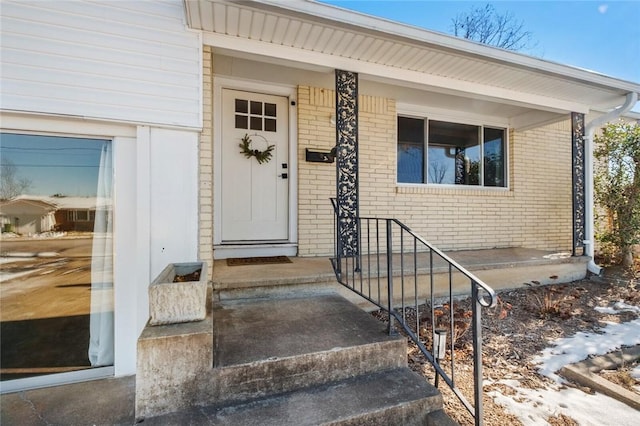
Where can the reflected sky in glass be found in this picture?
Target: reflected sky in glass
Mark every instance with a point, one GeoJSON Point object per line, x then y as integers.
{"type": "Point", "coordinates": [54, 165]}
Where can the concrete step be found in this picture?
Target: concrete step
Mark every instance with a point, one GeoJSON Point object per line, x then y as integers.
{"type": "Point", "coordinates": [397, 397]}
{"type": "Point", "coordinates": [269, 347]}
{"type": "Point", "coordinates": [312, 360]}
{"type": "Point", "coordinates": [439, 418]}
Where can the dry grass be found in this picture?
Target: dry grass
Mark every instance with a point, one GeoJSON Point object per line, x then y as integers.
{"type": "Point", "coordinates": [525, 322]}
{"type": "Point", "coordinates": [622, 377]}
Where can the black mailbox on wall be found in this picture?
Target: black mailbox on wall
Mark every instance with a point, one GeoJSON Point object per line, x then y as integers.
{"type": "Point", "coordinates": [314, 156]}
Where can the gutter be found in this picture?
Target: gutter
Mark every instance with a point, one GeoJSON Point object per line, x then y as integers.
{"type": "Point", "coordinates": [590, 131]}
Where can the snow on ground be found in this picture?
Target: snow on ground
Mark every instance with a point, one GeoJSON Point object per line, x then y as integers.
{"type": "Point", "coordinates": [4, 260]}
{"type": "Point", "coordinates": [578, 347]}
{"type": "Point", "coordinates": [13, 257]}
{"type": "Point", "coordinates": [8, 276]}
{"type": "Point", "coordinates": [619, 306]}
{"type": "Point", "coordinates": [535, 406]}
{"type": "Point", "coordinates": [635, 373]}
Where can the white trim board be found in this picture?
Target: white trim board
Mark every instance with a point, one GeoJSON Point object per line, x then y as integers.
{"type": "Point", "coordinates": [48, 380]}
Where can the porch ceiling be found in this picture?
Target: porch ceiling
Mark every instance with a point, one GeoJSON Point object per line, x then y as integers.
{"type": "Point", "coordinates": [313, 35]}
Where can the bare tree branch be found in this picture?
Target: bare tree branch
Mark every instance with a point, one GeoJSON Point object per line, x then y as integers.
{"type": "Point", "coordinates": [437, 172]}
{"type": "Point", "coordinates": [488, 26]}
{"type": "Point", "coordinates": [11, 185]}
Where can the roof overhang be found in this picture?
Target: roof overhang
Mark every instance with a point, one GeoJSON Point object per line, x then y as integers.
{"type": "Point", "coordinates": [314, 36]}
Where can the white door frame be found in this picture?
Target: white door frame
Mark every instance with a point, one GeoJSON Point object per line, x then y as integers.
{"type": "Point", "coordinates": [289, 248]}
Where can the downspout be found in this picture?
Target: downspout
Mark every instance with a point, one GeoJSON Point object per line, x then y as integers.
{"type": "Point", "coordinates": [590, 131]}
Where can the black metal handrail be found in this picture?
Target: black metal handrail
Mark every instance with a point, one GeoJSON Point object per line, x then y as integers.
{"type": "Point", "coordinates": [391, 254]}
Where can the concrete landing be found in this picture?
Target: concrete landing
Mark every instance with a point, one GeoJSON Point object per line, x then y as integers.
{"type": "Point", "coordinates": [502, 268]}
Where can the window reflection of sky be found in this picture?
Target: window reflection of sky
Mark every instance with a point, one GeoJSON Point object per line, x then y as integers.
{"type": "Point", "coordinates": [410, 161]}
{"type": "Point", "coordinates": [441, 168]}
{"type": "Point", "coordinates": [54, 165]}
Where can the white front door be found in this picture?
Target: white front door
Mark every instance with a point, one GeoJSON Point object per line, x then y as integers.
{"type": "Point", "coordinates": [255, 196]}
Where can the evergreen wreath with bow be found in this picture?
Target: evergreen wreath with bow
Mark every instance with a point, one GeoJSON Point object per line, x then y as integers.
{"type": "Point", "coordinates": [261, 156]}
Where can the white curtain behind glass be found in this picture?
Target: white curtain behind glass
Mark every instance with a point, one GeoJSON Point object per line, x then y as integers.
{"type": "Point", "coordinates": [101, 318]}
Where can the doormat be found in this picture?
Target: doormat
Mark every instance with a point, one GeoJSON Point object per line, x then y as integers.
{"type": "Point", "coordinates": [258, 260]}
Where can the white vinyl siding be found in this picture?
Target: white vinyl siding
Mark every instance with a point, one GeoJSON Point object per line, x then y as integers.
{"type": "Point", "coordinates": [127, 60]}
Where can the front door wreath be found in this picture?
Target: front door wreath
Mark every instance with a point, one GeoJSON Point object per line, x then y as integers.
{"type": "Point", "coordinates": [261, 156]}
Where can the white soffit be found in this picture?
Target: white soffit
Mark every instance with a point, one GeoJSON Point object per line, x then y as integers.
{"type": "Point", "coordinates": [315, 34]}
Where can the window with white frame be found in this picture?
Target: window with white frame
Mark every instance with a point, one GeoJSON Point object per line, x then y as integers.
{"type": "Point", "coordinates": [446, 153]}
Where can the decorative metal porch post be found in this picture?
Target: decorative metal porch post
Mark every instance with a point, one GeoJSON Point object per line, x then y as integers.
{"type": "Point", "coordinates": [578, 159]}
{"type": "Point", "coordinates": [347, 163]}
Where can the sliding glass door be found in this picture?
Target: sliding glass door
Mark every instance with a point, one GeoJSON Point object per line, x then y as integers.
{"type": "Point", "coordinates": [56, 257]}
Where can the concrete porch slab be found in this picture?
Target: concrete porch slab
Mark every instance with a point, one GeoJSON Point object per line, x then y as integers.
{"type": "Point", "coordinates": [504, 268]}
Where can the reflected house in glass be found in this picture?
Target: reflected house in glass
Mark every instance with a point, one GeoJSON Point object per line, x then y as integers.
{"type": "Point", "coordinates": [28, 214]}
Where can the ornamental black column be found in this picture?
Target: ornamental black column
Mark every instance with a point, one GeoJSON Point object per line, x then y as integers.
{"type": "Point", "coordinates": [578, 153]}
{"type": "Point", "coordinates": [347, 162]}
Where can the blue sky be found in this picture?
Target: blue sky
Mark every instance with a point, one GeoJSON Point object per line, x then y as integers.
{"type": "Point", "coordinates": [601, 36]}
{"type": "Point", "coordinates": [54, 165]}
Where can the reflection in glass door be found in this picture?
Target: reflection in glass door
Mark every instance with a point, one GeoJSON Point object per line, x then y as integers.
{"type": "Point", "coordinates": [56, 256]}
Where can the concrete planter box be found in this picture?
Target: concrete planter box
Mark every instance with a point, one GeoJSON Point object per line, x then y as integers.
{"type": "Point", "coordinates": [176, 302]}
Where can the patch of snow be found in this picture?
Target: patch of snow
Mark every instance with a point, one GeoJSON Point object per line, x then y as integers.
{"type": "Point", "coordinates": [635, 373]}
{"type": "Point", "coordinates": [20, 254]}
{"type": "Point", "coordinates": [9, 235]}
{"type": "Point", "coordinates": [617, 308]}
{"type": "Point", "coordinates": [563, 255]}
{"type": "Point", "coordinates": [572, 349]}
{"type": "Point", "coordinates": [623, 307]}
{"type": "Point", "coordinates": [48, 254]}
{"type": "Point", "coordinates": [534, 406]}
{"type": "Point", "coordinates": [8, 276]}
{"type": "Point", "coordinates": [4, 260]}
{"type": "Point", "coordinates": [49, 234]}
{"type": "Point", "coordinates": [606, 310]}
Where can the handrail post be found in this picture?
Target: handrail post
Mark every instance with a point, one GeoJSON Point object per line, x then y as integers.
{"type": "Point", "coordinates": [392, 329]}
{"type": "Point", "coordinates": [477, 353]}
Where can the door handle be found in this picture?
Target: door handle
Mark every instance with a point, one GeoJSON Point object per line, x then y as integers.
{"type": "Point", "coordinates": [284, 176]}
